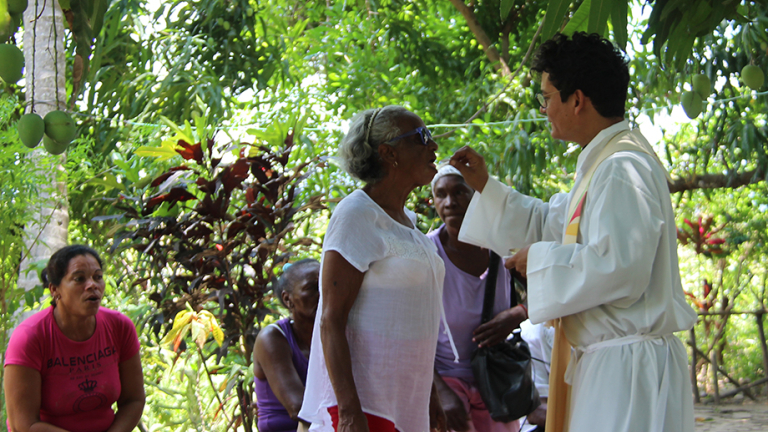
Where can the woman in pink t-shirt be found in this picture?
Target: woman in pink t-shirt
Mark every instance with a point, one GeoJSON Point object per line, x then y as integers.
{"type": "Point", "coordinates": [66, 365]}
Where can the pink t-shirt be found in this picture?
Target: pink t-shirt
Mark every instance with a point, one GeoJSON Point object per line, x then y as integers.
{"type": "Point", "coordinates": [80, 380]}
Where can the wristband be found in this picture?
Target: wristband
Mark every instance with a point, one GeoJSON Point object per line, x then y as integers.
{"type": "Point", "coordinates": [525, 309]}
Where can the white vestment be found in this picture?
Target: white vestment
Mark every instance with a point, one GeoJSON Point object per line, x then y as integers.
{"type": "Point", "coordinates": [617, 289]}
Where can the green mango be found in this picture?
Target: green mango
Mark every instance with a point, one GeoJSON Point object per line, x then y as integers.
{"type": "Point", "coordinates": [31, 129]}
{"type": "Point", "coordinates": [753, 77]}
{"type": "Point", "coordinates": [692, 104]}
{"type": "Point", "coordinates": [60, 126]}
{"type": "Point", "coordinates": [11, 63]}
{"type": "Point", "coordinates": [54, 147]}
{"type": "Point", "coordinates": [17, 6]}
{"type": "Point", "coordinates": [702, 85]}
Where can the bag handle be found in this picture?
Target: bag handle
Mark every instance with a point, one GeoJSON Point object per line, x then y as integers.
{"type": "Point", "coordinates": [490, 287]}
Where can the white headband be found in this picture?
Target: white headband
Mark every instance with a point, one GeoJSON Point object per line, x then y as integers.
{"type": "Point", "coordinates": [370, 123]}
{"type": "Point", "coordinates": [443, 171]}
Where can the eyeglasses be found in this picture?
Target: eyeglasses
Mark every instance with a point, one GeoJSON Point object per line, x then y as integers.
{"type": "Point", "coordinates": [544, 100]}
{"type": "Point", "coordinates": [424, 135]}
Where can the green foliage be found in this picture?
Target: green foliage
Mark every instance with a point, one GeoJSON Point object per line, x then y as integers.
{"type": "Point", "coordinates": [85, 19]}
{"type": "Point", "coordinates": [212, 232]}
{"type": "Point", "coordinates": [299, 70]}
{"type": "Point", "coordinates": [19, 188]}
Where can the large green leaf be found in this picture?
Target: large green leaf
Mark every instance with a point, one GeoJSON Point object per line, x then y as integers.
{"type": "Point", "coordinates": [505, 7]}
{"type": "Point", "coordinates": [599, 11]}
{"type": "Point", "coordinates": [619, 21]}
{"type": "Point", "coordinates": [579, 21]}
{"type": "Point", "coordinates": [553, 18]}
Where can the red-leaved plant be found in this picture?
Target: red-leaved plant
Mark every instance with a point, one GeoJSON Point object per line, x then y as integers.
{"type": "Point", "coordinates": [213, 236]}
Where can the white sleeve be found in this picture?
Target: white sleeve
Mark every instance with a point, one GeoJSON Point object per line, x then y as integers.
{"type": "Point", "coordinates": [613, 265]}
{"type": "Point", "coordinates": [501, 218]}
{"type": "Point", "coordinates": [354, 233]}
{"type": "Point", "coordinates": [533, 335]}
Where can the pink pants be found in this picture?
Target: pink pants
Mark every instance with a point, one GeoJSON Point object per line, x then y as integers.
{"type": "Point", "coordinates": [479, 418]}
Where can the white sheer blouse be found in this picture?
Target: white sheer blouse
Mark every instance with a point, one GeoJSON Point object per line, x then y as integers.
{"type": "Point", "coordinates": [393, 325]}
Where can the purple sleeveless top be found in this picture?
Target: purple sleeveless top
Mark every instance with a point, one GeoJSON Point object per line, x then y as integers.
{"type": "Point", "coordinates": [463, 296]}
{"type": "Point", "coordinates": [272, 415]}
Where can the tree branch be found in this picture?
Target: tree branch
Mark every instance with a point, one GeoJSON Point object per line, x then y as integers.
{"type": "Point", "coordinates": [717, 181]}
{"type": "Point", "coordinates": [482, 37]}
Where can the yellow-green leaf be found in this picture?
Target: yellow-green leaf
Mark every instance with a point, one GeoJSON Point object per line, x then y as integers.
{"type": "Point", "coordinates": [183, 318]}
{"type": "Point", "coordinates": [218, 335]}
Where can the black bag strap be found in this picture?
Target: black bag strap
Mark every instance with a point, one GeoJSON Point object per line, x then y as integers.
{"type": "Point", "coordinates": [490, 287]}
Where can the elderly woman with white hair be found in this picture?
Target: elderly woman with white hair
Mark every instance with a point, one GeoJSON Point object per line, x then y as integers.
{"type": "Point", "coordinates": [466, 268]}
{"type": "Point", "coordinates": [381, 280]}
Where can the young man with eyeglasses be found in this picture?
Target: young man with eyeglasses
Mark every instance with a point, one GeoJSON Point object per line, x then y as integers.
{"type": "Point", "coordinates": [601, 260]}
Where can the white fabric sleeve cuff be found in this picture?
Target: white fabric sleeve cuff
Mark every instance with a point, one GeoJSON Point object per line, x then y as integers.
{"type": "Point", "coordinates": [481, 216]}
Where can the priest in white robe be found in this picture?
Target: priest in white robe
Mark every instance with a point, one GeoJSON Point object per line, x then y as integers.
{"type": "Point", "coordinates": [615, 288]}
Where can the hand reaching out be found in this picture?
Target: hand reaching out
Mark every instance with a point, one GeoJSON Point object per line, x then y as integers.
{"type": "Point", "coordinates": [472, 167]}
{"type": "Point", "coordinates": [496, 330]}
{"type": "Point", "coordinates": [519, 261]}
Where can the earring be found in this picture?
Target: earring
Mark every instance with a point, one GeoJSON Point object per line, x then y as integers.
{"type": "Point", "coordinates": [395, 164]}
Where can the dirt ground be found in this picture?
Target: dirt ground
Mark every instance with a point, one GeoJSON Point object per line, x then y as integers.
{"type": "Point", "coordinates": [732, 417]}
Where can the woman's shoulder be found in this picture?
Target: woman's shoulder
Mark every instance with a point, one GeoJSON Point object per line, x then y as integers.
{"type": "Point", "coordinates": [113, 318]}
{"type": "Point", "coordinates": [357, 201]}
{"type": "Point", "coordinates": [114, 315]}
{"type": "Point", "coordinates": [36, 324]}
{"type": "Point", "coordinates": [357, 211]}
{"type": "Point", "coordinates": [272, 340]}
{"type": "Point", "coordinates": [31, 339]}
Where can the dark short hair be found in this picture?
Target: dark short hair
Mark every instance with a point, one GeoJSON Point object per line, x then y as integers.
{"type": "Point", "coordinates": [57, 265]}
{"type": "Point", "coordinates": [287, 280]}
{"type": "Point", "coordinates": [586, 62]}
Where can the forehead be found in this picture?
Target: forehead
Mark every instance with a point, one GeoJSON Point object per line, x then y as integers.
{"type": "Point", "coordinates": [408, 122]}
{"type": "Point", "coordinates": [83, 263]}
{"type": "Point", "coordinates": [546, 85]}
{"type": "Point", "coordinates": [450, 181]}
{"type": "Point", "coordinates": [307, 272]}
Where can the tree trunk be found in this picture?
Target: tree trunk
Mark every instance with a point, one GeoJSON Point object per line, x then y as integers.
{"type": "Point", "coordinates": [715, 387]}
{"type": "Point", "coordinates": [46, 91]}
{"type": "Point", "coordinates": [694, 380]}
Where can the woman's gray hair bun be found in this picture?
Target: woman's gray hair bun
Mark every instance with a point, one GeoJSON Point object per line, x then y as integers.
{"type": "Point", "coordinates": [358, 151]}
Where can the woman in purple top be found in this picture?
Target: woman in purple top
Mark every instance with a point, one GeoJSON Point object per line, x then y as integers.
{"type": "Point", "coordinates": [466, 267]}
{"type": "Point", "coordinates": [281, 352]}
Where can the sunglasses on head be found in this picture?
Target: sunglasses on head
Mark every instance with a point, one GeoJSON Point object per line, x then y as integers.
{"type": "Point", "coordinates": [424, 135]}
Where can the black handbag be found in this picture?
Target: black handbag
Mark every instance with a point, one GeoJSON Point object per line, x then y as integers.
{"type": "Point", "coordinates": [502, 372]}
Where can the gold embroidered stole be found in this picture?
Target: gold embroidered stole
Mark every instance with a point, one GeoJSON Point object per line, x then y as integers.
{"type": "Point", "coordinates": [558, 402]}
